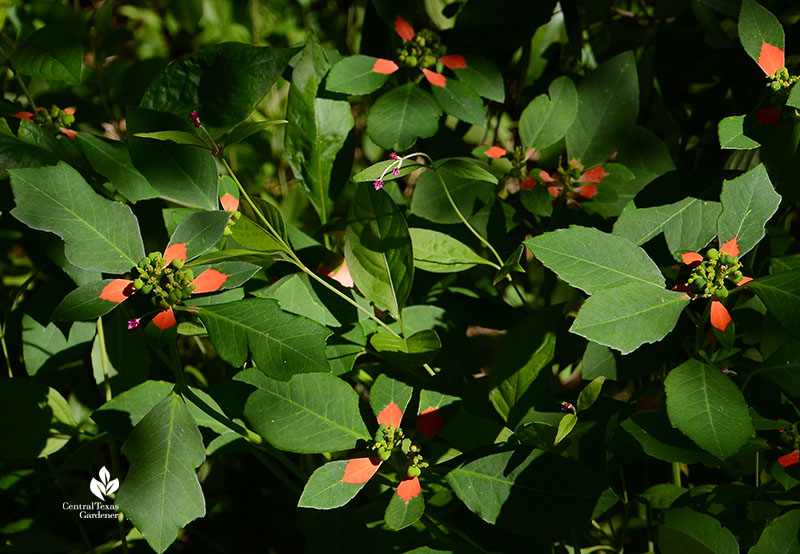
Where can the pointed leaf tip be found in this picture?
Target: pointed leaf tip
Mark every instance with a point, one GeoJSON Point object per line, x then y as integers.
{"type": "Point", "coordinates": [436, 79]}
{"type": "Point", "coordinates": [453, 61]}
{"type": "Point", "coordinates": [771, 59]}
{"type": "Point", "coordinates": [165, 319]}
{"type": "Point", "coordinates": [360, 470]}
{"type": "Point", "coordinates": [495, 152]}
{"type": "Point", "coordinates": [209, 281]}
{"type": "Point", "coordinates": [117, 290]}
{"type": "Point", "coordinates": [720, 318]}
{"type": "Point", "coordinates": [404, 29]}
{"type": "Point", "coordinates": [408, 489]}
{"type": "Point", "coordinates": [731, 247]}
{"type": "Point", "coordinates": [391, 415]}
{"type": "Point", "coordinates": [177, 250]}
{"type": "Point", "coordinates": [386, 67]}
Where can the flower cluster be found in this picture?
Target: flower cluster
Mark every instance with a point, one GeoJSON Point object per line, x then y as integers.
{"type": "Point", "coordinates": [394, 168]}
{"type": "Point", "coordinates": [389, 439]}
{"type": "Point", "coordinates": [164, 279]}
{"type": "Point", "coordinates": [708, 276]}
{"type": "Point", "coordinates": [55, 119]}
{"type": "Point", "coordinates": [422, 50]}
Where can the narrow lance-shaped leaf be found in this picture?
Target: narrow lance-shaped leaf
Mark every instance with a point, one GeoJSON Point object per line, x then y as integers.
{"type": "Point", "coordinates": [161, 493]}
{"type": "Point", "coordinates": [748, 202]}
{"type": "Point", "coordinates": [378, 249]}
{"type": "Point", "coordinates": [281, 344]}
{"type": "Point", "coordinates": [311, 413]}
{"type": "Point", "coordinates": [708, 408]}
{"type": "Point", "coordinates": [98, 234]}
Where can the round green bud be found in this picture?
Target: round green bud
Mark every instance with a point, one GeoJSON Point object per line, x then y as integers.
{"type": "Point", "coordinates": [428, 61]}
{"type": "Point", "coordinates": [721, 292]}
{"type": "Point", "coordinates": [727, 259]}
{"type": "Point", "coordinates": [188, 275]}
{"type": "Point", "coordinates": [412, 61]}
{"type": "Point", "coordinates": [138, 284]}
{"type": "Point", "coordinates": [147, 288]}
{"type": "Point", "coordinates": [699, 282]}
{"type": "Point", "coordinates": [413, 471]}
{"type": "Point", "coordinates": [384, 453]}
{"type": "Point", "coordinates": [712, 254]}
{"type": "Point", "coordinates": [177, 263]}
{"type": "Point", "coordinates": [154, 255]}
{"type": "Point", "coordinates": [68, 119]}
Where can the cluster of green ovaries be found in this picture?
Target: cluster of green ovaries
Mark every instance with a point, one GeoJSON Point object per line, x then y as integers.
{"type": "Point", "coordinates": [422, 51]}
{"type": "Point", "coordinates": [709, 276]}
{"type": "Point", "coordinates": [169, 284]}
{"type": "Point", "coordinates": [781, 80]}
{"type": "Point", "coordinates": [55, 118]}
{"type": "Point", "coordinates": [389, 439]}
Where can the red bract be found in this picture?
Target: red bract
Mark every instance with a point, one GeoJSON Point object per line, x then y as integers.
{"type": "Point", "coordinates": [791, 459]}
{"type": "Point", "coordinates": [495, 152]}
{"type": "Point", "coordinates": [771, 59]}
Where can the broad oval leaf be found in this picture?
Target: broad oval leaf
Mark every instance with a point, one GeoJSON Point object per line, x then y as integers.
{"type": "Point", "coordinates": [732, 135]}
{"type": "Point", "coordinates": [708, 408]}
{"type": "Point", "coordinates": [781, 536]}
{"type": "Point", "coordinates": [311, 413]}
{"type": "Point", "coordinates": [470, 194]}
{"type": "Point", "coordinates": [402, 512]}
{"type": "Point", "coordinates": [748, 202]}
{"type": "Point", "coordinates": [483, 77]}
{"type": "Point", "coordinates": [460, 101]}
{"type": "Point", "coordinates": [98, 234]}
{"type": "Point", "coordinates": [628, 316]}
{"type": "Point", "coordinates": [420, 348]}
{"type": "Point", "coordinates": [685, 531]}
{"type": "Point", "coordinates": [780, 293]}
{"type": "Point", "coordinates": [757, 26]}
{"type": "Point", "coordinates": [84, 303]}
{"type": "Point", "coordinates": [355, 75]}
{"type": "Point", "coordinates": [112, 160]}
{"type": "Point", "coordinates": [326, 488]}
{"type": "Point", "coordinates": [401, 116]}
{"type": "Point", "coordinates": [200, 232]}
{"type": "Point", "coordinates": [378, 249]}
{"type": "Point", "coordinates": [281, 344]}
{"type": "Point", "coordinates": [390, 397]}
{"type": "Point", "coordinates": [53, 52]}
{"type": "Point", "coordinates": [440, 253]}
{"type": "Point", "coordinates": [161, 493]}
{"type": "Point", "coordinates": [546, 119]}
{"type": "Point", "coordinates": [592, 260]}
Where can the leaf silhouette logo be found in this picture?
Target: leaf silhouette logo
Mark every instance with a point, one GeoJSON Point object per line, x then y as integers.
{"type": "Point", "coordinates": [105, 486]}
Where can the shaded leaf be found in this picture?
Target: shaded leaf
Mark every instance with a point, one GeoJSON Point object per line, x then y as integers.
{"type": "Point", "coordinates": [401, 116]}
{"type": "Point", "coordinates": [546, 119]}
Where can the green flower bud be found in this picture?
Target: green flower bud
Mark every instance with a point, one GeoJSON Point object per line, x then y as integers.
{"type": "Point", "coordinates": [413, 471]}
{"type": "Point", "coordinates": [428, 61]}
{"type": "Point", "coordinates": [727, 259]}
{"type": "Point", "coordinates": [699, 282]}
{"type": "Point", "coordinates": [177, 263]}
{"type": "Point", "coordinates": [405, 446]}
{"type": "Point", "coordinates": [188, 275]}
{"type": "Point", "coordinates": [384, 453]}
{"type": "Point", "coordinates": [68, 119]}
{"type": "Point", "coordinates": [412, 61]}
{"type": "Point", "coordinates": [154, 255]}
{"type": "Point", "coordinates": [712, 254]}
{"type": "Point", "coordinates": [147, 288]}
{"type": "Point", "coordinates": [138, 284]}
{"type": "Point", "coordinates": [721, 292]}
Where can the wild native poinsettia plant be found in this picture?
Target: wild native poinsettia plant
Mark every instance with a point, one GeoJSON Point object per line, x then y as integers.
{"type": "Point", "coordinates": [477, 276]}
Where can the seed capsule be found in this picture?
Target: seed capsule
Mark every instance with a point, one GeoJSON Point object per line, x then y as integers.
{"type": "Point", "coordinates": [177, 263]}
{"type": "Point", "coordinates": [138, 284]}
{"type": "Point", "coordinates": [712, 254]}
{"type": "Point", "coordinates": [147, 288]}
{"type": "Point", "coordinates": [413, 471]}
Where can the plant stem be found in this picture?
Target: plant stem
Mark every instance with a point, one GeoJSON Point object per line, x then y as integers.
{"type": "Point", "coordinates": [104, 358]}
{"type": "Point", "coordinates": [676, 473]}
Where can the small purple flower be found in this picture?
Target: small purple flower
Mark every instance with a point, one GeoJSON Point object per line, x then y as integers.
{"type": "Point", "coordinates": [567, 407]}
{"type": "Point", "coordinates": [378, 184]}
{"type": "Point", "coordinates": [133, 324]}
{"type": "Point", "coordinates": [195, 118]}
{"type": "Point", "coordinates": [396, 171]}
{"type": "Point", "coordinates": [394, 156]}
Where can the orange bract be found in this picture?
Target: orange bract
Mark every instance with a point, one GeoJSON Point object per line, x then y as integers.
{"type": "Point", "coordinates": [720, 318]}
{"type": "Point", "coordinates": [453, 61]}
{"type": "Point", "coordinates": [404, 29]}
{"type": "Point", "coordinates": [360, 470]}
{"type": "Point", "coordinates": [409, 488]}
{"type": "Point", "coordinates": [391, 415]}
{"type": "Point", "coordinates": [387, 67]}
{"type": "Point", "coordinates": [771, 58]}
{"type": "Point", "coordinates": [436, 79]}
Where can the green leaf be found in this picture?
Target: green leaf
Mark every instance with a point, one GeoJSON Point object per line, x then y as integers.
{"type": "Point", "coordinates": [597, 361]}
{"type": "Point", "coordinates": [161, 493]}
{"type": "Point", "coordinates": [200, 232]}
{"type": "Point", "coordinates": [757, 25]}
{"type": "Point", "coordinates": [313, 412]}
{"type": "Point", "coordinates": [511, 265]}
{"type": "Point", "coordinates": [783, 368]}
{"type": "Point", "coordinates": [650, 432]}
{"type": "Point", "coordinates": [440, 253]}
{"type": "Point", "coordinates": [42, 344]}
{"type": "Point", "coordinates": [84, 303]}
{"type": "Point", "coordinates": [386, 391]}
{"type": "Point", "coordinates": [224, 82]}
{"type": "Point", "coordinates": [469, 194]}
{"type": "Point", "coordinates": [326, 490]}
{"type": "Point", "coordinates": [608, 102]}
{"type": "Point", "coordinates": [401, 116]}
{"type": "Point", "coordinates": [460, 101]}
{"type": "Point", "coordinates": [688, 225]}
{"type": "Point", "coordinates": [247, 129]}
{"type": "Point", "coordinates": [483, 77]}
{"type": "Point", "coordinates": [53, 53]}
{"type": "Point", "coordinates": [254, 236]}
{"type": "Point", "coordinates": [590, 393]}
{"type": "Point", "coordinates": [565, 427]}
{"type": "Point", "coordinates": [794, 97]}
{"type": "Point", "coordinates": [662, 495]}
{"type": "Point", "coordinates": [354, 75]}
{"type": "Point", "coordinates": [521, 356]}
{"type": "Point", "coordinates": [418, 349]}
{"type": "Point", "coordinates": [98, 234]}
{"type": "Point", "coordinates": [467, 168]}
{"type": "Point", "coordinates": [281, 344]}
{"type": "Point", "coordinates": [122, 355]}
{"type": "Point", "coordinates": [546, 119]}
{"type": "Point", "coordinates": [708, 408]}
{"type": "Point", "coordinates": [732, 136]}
{"type": "Point", "coordinates": [780, 536]}
{"type": "Point", "coordinates": [592, 260]}
{"type": "Point", "coordinates": [238, 272]}
{"type": "Point", "coordinates": [628, 316]}
{"type": "Point", "coordinates": [317, 130]}
{"type": "Point", "coordinates": [378, 249]}
{"type": "Point", "coordinates": [685, 531]}
{"type": "Point", "coordinates": [748, 202]}
{"type": "Point", "coordinates": [379, 170]}
{"type": "Point", "coordinates": [182, 174]}
{"type": "Point", "coordinates": [400, 514]}
{"type": "Point", "coordinates": [780, 293]}
{"type": "Point", "coordinates": [297, 294]}
{"type": "Point", "coordinates": [540, 493]}
{"type": "Point", "coordinates": [112, 160]}
{"type": "Point", "coordinates": [178, 137]}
